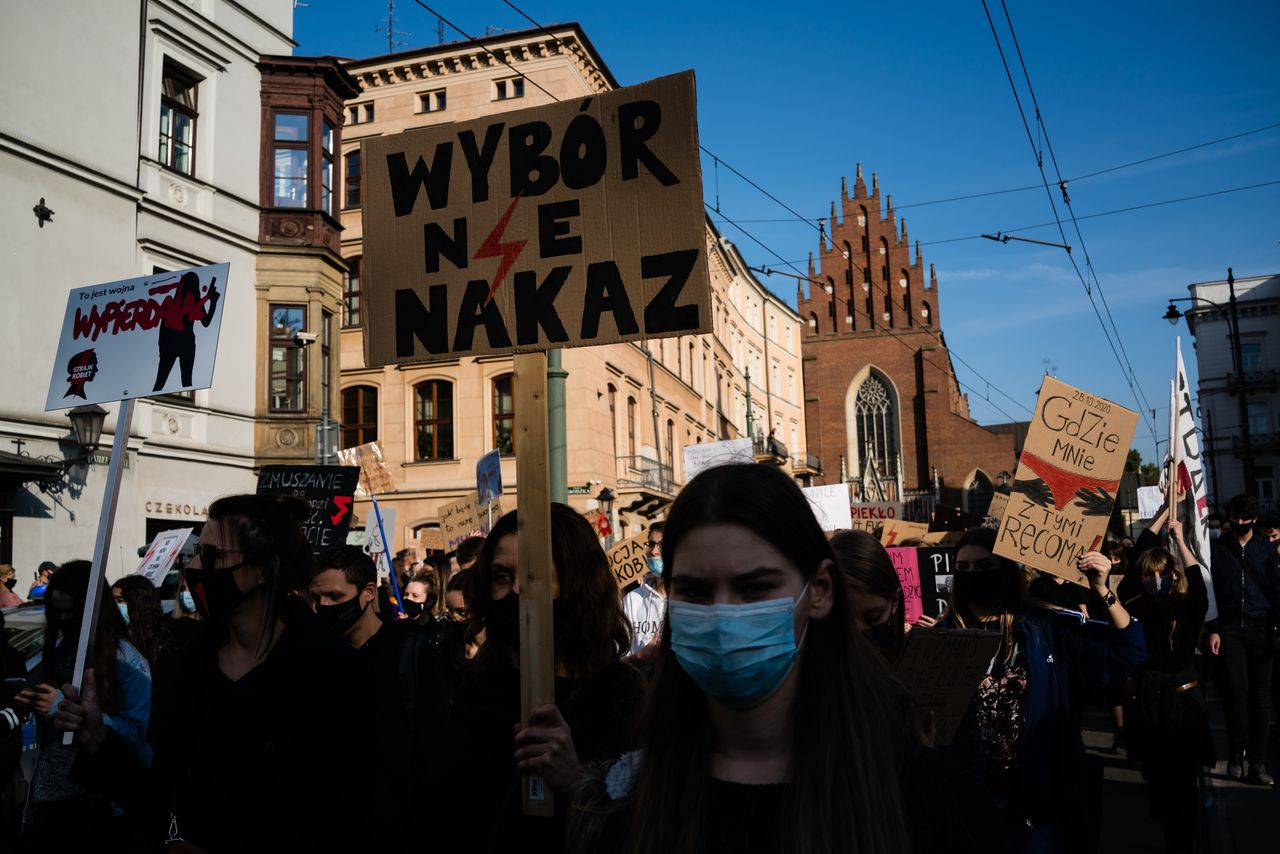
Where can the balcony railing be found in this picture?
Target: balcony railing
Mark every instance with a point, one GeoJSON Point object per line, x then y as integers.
{"type": "Point", "coordinates": [1258, 442]}
{"type": "Point", "coordinates": [1254, 380]}
{"type": "Point", "coordinates": [812, 462]}
{"type": "Point", "coordinates": [770, 447]}
{"type": "Point", "coordinates": [645, 472]}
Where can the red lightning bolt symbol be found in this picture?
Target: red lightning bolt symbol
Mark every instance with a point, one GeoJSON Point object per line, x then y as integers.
{"type": "Point", "coordinates": [493, 247]}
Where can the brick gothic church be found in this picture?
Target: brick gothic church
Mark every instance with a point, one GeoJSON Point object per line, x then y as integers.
{"type": "Point", "coordinates": [883, 408]}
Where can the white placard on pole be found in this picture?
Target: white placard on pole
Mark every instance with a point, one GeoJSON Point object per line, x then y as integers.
{"type": "Point", "coordinates": [704, 455]}
{"type": "Point", "coordinates": [831, 506]}
{"type": "Point", "coordinates": [161, 555]}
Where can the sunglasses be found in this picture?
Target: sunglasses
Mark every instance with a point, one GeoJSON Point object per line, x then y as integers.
{"type": "Point", "coordinates": [209, 555]}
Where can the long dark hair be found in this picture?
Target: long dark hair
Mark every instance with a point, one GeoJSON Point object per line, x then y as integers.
{"type": "Point", "coordinates": [593, 632]}
{"type": "Point", "coordinates": [72, 579]}
{"type": "Point", "coordinates": [845, 792]}
{"type": "Point", "coordinates": [268, 531]}
{"type": "Point", "coordinates": [867, 566]}
{"type": "Point", "coordinates": [148, 630]}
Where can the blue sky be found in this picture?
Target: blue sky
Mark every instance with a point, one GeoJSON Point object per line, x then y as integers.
{"type": "Point", "coordinates": [794, 94]}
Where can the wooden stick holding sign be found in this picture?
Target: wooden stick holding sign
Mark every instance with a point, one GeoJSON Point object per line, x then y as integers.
{"type": "Point", "coordinates": [1173, 451]}
{"type": "Point", "coordinates": [533, 477]}
{"type": "Point", "coordinates": [101, 546]}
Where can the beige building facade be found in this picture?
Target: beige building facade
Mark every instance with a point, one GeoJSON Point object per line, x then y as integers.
{"type": "Point", "coordinates": [629, 408]}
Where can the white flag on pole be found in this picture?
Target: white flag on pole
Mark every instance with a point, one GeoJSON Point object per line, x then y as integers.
{"type": "Point", "coordinates": [1191, 475]}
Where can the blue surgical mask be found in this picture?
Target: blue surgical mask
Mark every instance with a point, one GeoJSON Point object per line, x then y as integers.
{"type": "Point", "coordinates": [187, 600]}
{"type": "Point", "coordinates": [738, 654]}
{"type": "Point", "coordinates": [124, 612]}
{"type": "Point", "coordinates": [655, 565]}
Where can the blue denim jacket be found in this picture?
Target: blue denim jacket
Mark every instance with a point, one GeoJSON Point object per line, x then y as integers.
{"type": "Point", "coordinates": [133, 687]}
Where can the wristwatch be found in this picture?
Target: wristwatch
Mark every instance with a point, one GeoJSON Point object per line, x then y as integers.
{"type": "Point", "coordinates": [1109, 599]}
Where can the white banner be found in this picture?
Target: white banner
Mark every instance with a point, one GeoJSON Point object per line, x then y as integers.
{"type": "Point", "coordinates": [159, 558]}
{"type": "Point", "coordinates": [1191, 474]}
{"type": "Point", "coordinates": [148, 335]}
{"type": "Point", "coordinates": [831, 506]}
{"type": "Point", "coordinates": [705, 455]}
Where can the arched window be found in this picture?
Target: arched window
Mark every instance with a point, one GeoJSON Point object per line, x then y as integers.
{"type": "Point", "coordinates": [848, 263]}
{"type": "Point", "coordinates": [926, 314]}
{"type": "Point", "coordinates": [813, 323]}
{"type": "Point", "coordinates": [906, 310]}
{"type": "Point", "coordinates": [631, 426]}
{"type": "Point", "coordinates": [359, 415]}
{"type": "Point", "coordinates": [862, 220]}
{"type": "Point", "coordinates": [433, 420]}
{"type": "Point", "coordinates": [904, 279]}
{"type": "Point", "coordinates": [977, 494]}
{"type": "Point", "coordinates": [877, 425]}
{"type": "Point", "coordinates": [613, 416]}
{"type": "Point", "coordinates": [671, 448]}
{"type": "Point", "coordinates": [504, 416]}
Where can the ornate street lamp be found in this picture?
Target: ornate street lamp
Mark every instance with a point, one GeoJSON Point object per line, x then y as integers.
{"type": "Point", "coordinates": [86, 424]}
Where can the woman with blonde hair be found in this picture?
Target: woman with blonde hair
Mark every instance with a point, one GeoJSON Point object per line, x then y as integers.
{"type": "Point", "coordinates": [8, 580]}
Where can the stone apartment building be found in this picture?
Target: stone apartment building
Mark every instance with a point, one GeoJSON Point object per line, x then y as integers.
{"type": "Point", "coordinates": [630, 408]}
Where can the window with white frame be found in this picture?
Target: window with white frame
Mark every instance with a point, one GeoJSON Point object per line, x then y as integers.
{"type": "Point", "coordinates": [432, 102]}
{"type": "Point", "coordinates": [505, 90]}
{"type": "Point", "coordinates": [178, 114]}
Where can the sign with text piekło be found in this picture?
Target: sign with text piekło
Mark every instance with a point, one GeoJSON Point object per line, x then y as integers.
{"type": "Point", "coordinates": [1067, 480]}
{"type": "Point", "coordinates": [566, 225]}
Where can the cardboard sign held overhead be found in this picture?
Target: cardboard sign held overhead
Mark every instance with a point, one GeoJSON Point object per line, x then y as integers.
{"type": "Point", "coordinates": [431, 540]}
{"type": "Point", "coordinates": [1067, 480]}
{"type": "Point", "coordinates": [458, 519]}
{"type": "Point", "coordinates": [154, 334]}
{"type": "Point", "coordinates": [896, 530]}
{"type": "Point", "coordinates": [375, 479]}
{"type": "Point", "coordinates": [999, 503]}
{"type": "Point", "coordinates": [160, 557]}
{"type": "Point", "coordinates": [704, 455]}
{"type": "Point", "coordinates": [627, 562]}
{"type": "Point", "coordinates": [565, 225]}
{"type": "Point", "coordinates": [830, 506]}
{"type": "Point", "coordinates": [328, 491]}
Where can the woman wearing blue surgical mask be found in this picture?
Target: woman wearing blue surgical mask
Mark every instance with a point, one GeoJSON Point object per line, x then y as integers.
{"type": "Point", "coordinates": [770, 725]}
{"type": "Point", "coordinates": [145, 625]}
{"type": "Point", "coordinates": [1166, 720]}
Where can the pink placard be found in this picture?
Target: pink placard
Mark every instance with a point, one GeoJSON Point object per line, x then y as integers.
{"type": "Point", "coordinates": [907, 564]}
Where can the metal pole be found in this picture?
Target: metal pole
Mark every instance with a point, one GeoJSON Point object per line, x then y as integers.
{"type": "Point", "coordinates": [1211, 459]}
{"type": "Point", "coordinates": [386, 553]}
{"type": "Point", "coordinates": [557, 431]}
{"type": "Point", "coordinates": [101, 547]}
{"type": "Point", "coordinates": [1242, 395]}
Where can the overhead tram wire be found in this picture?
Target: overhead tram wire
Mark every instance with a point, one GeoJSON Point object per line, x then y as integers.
{"type": "Point", "coordinates": [557, 39]}
{"type": "Point", "coordinates": [1066, 198]}
{"type": "Point", "coordinates": [1123, 363]}
{"type": "Point", "coordinates": [1087, 175]}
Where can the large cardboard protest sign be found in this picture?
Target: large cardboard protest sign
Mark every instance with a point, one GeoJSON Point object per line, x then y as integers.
{"type": "Point", "coordinates": [942, 670]}
{"type": "Point", "coordinates": [564, 225]}
{"type": "Point", "coordinates": [147, 335]}
{"type": "Point", "coordinates": [830, 506]}
{"type": "Point", "coordinates": [375, 478]}
{"type": "Point", "coordinates": [870, 515]}
{"type": "Point", "coordinates": [1067, 480]}
{"type": "Point", "coordinates": [161, 554]}
{"type": "Point", "coordinates": [627, 562]}
{"type": "Point", "coordinates": [704, 455]}
{"type": "Point", "coordinates": [328, 491]}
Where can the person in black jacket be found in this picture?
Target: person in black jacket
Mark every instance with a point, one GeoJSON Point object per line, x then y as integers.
{"type": "Point", "coordinates": [403, 674]}
{"type": "Point", "coordinates": [256, 726]}
{"type": "Point", "coordinates": [1167, 721]}
{"type": "Point", "coordinates": [1246, 580]}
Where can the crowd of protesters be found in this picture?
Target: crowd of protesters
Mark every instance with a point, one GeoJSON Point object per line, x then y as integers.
{"type": "Point", "coordinates": [742, 698]}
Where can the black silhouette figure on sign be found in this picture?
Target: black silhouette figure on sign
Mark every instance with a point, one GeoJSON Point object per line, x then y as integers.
{"type": "Point", "coordinates": [81, 369]}
{"type": "Point", "coordinates": [180, 311]}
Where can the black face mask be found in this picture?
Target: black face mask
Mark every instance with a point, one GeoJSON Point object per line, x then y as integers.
{"type": "Point", "coordinates": [502, 623]}
{"type": "Point", "coordinates": [215, 591]}
{"type": "Point", "coordinates": [343, 616]}
{"type": "Point", "coordinates": [881, 636]}
{"type": "Point", "coordinates": [11, 583]}
{"type": "Point", "coordinates": [1241, 529]}
{"type": "Point", "coordinates": [980, 588]}
{"type": "Point", "coordinates": [413, 610]}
